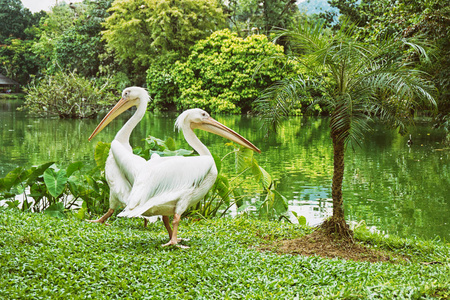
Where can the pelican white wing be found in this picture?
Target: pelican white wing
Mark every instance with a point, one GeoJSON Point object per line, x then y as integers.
{"type": "Point", "coordinates": [168, 185]}
{"type": "Point", "coordinates": [129, 165]}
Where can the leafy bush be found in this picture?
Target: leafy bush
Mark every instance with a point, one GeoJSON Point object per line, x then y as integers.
{"type": "Point", "coordinates": [228, 191]}
{"type": "Point", "coordinates": [53, 190]}
{"type": "Point", "coordinates": [67, 95]}
{"type": "Point", "coordinates": [161, 84]}
{"type": "Point", "coordinates": [219, 73]}
{"type": "Point", "coordinates": [47, 188]}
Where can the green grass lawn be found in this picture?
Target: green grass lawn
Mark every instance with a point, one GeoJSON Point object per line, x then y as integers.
{"type": "Point", "coordinates": [42, 257]}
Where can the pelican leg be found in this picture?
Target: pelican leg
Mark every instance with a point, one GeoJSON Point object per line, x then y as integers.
{"type": "Point", "coordinates": [173, 239]}
{"type": "Point", "coordinates": [104, 217]}
{"type": "Point", "coordinates": [145, 222]}
{"type": "Point", "coordinates": [167, 225]}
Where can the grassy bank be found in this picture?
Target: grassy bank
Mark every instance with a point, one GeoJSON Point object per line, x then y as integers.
{"type": "Point", "coordinates": [13, 96]}
{"type": "Point", "coordinates": [47, 258]}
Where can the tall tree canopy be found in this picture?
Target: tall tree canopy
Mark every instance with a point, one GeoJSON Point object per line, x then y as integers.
{"type": "Point", "coordinates": [17, 32]}
{"type": "Point", "coordinates": [15, 19]}
{"type": "Point", "coordinates": [259, 16]}
{"type": "Point", "coordinates": [427, 19]}
{"type": "Point", "coordinates": [141, 30]}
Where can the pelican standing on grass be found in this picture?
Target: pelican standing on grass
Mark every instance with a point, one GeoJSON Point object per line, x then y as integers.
{"type": "Point", "coordinates": [169, 185]}
{"type": "Point", "coordinates": [120, 178]}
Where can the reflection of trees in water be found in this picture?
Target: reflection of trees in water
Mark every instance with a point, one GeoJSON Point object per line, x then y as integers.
{"type": "Point", "coordinates": [403, 189]}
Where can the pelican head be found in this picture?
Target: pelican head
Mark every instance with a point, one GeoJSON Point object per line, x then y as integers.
{"type": "Point", "coordinates": [197, 118]}
{"type": "Point", "coordinates": [131, 96]}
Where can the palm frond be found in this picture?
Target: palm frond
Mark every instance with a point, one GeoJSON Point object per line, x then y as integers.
{"type": "Point", "coordinates": [275, 104]}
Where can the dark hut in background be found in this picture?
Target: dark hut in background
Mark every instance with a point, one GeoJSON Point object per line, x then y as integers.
{"type": "Point", "coordinates": [7, 85]}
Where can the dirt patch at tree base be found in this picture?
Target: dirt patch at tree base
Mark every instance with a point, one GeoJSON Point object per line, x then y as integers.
{"type": "Point", "coordinates": [326, 245]}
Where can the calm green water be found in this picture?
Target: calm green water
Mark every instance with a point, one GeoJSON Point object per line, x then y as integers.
{"type": "Point", "coordinates": [395, 188]}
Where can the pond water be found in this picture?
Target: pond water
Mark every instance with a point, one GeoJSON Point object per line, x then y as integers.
{"type": "Point", "coordinates": [395, 188]}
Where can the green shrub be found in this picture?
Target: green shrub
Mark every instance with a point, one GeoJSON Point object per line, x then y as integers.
{"type": "Point", "coordinates": [67, 95]}
{"type": "Point", "coordinates": [219, 74]}
{"type": "Point", "coordinates": [161, 84]}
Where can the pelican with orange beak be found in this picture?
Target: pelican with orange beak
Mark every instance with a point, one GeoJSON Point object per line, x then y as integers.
{"type": "Point", "coordinates": [169, 185]}
{"type": "Point", "coordinates": [120, 178]}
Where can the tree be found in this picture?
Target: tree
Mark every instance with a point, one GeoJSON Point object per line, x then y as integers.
{"type": "Point", "coordinates": [365, 80]}
{"type": "Point", "coordinates": [16, 33]}
{"type": "Point", "coordinates": [18, 60]}
{"type": "Point", "coordinates": [140, 31]}
{"type": "Point", "coordinates": [51, 29]}
{"type": "Point", "coordinates": [259, 16]}
{"type": "Point", "coordinates": [428, 19]}
{"type": "Point", "coordinates": [81, 47]}
{"type": "Point", "coordinates": [219, 73]}
{"type": "Point", "coordinates": [14, 19]}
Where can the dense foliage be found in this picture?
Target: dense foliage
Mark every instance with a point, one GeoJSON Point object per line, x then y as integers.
{"type": "Point", "coordinates": [59, 191]}
{"type": "Point", "coordinates": [140, 31]}
{"type": "Point", "coordinates": [428, 20]}
{"type": "Point", "coordinates": [17, 59]}
{"type": "Point", "coordinates": [16, 20]}
{"type": "Point", "coordinates": [145, 41]}
{"type": "Point", "coordinates": [45, 257]}
{"type": "Point", "coordinates": [68, 96]}
{"type": "Point", "coordinates": [219, 74]}
{"type": "Point", "coordinates": [260, 16]}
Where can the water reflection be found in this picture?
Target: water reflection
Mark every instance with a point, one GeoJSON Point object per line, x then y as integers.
{"type": "Point", "coordinates": [398, 189]}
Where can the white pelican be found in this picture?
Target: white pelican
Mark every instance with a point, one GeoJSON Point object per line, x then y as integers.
{"type": "Point", "coordinates": [168, 186]}
{"type": "Point", "coordinates": [120, 178]}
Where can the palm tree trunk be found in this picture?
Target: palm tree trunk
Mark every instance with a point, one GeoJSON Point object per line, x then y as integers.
{"type": "Point", "coordinates": [336, 224]}
{"type": "Point", "coordinates": [338, 176]}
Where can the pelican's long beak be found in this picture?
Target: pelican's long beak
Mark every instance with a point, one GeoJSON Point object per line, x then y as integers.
{"type": "Point", "coordinates": [218, 128]}
{"type": "Point", "coordinates": [119, 108]}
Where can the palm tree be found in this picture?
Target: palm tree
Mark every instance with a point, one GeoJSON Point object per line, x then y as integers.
{"type": "Point", "coordinates": [357, 81]}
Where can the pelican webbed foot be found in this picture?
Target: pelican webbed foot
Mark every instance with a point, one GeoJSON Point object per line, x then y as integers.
{"type": "Point", "coordinates": [103, 219]}
{"type": "Point", "coordinates": [171, 243]}
{"type": "Point", "coordinates": [99, 221]}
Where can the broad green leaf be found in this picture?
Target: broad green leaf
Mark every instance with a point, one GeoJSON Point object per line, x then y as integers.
{"type": "Point", "coordinates": [37, 191]}
{"type": "Point", "coordinates": [101, 154]}
{"type": "Point", "coordinates": [300, 219]}
{"type": "Point", "coordinates": [73, 167]}
{"type": "Point", "coordinates": [218, 163]}
{"type": "Point", "coordinates": [155, 143]}
{"type": "Point", "coordinates": [238, 196]}
{"type": "Point", "coordinates": [137, 150]}
{"type": "Point", "coordinates": [92, 183]}
{"type": "Point", "coordinates": [13, 203]}
{"type": "Point", "coordinates": [38, 171]}
{"type": "Point", "coordinates": [243, 159]}
{"type": "Point", "coordinates": [74, 185]}
{"type": "Point", "coordinates": [265, 177]}
{"type": "Point", "coordinates": [183, 152]}
{"type": "Point", "coordinates": [223, 188]}
{"type": "Point", "coordinates": [256, 171]}
{"type": "Point", "coordinates": [179, 152]}
{"type": "Point", "coordinates": [55, 181]}
{"type": "Point", "coordinates": [280, 203]}
{"type": "Point", "coordinates": [170, 144]}
{"type": "Point", "coordinates": [243, 207]}
{"type": "Point", "coordinates": [81, 213]}
{"type": "Point", "coordinates": [13, 178]}
{"type": "Point", "coordinates": [56, 210]}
